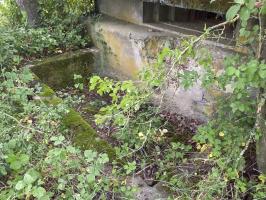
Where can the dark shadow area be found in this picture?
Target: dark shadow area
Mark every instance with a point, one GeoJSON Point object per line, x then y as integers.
{"type": "Point", "coordinates": [188, 21]}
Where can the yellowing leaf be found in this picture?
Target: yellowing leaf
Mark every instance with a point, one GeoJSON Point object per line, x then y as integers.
{"type": "Point", "coordinates": [221, 134]}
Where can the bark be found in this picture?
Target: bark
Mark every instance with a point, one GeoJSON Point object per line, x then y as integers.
{"type": "Point", "coordinates": [261, 143]}
{"type": "Point", "coordinates": [31, 7]}
{"type": "Point", "coordinates": [261, 112]}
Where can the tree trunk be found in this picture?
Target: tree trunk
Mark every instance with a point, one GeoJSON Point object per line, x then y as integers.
{"type": "Point", "coordinates": [261, 112]}
{"type": "Point", "coordinates": [31, 7]}
{"type": "Point", "coordinates": [261, 144]}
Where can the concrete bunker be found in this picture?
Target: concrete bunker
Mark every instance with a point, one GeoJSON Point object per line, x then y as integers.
{"type": "Point", "coordinates": [188, 17]}
{"type": "Point", "coordinates": [186, 20]}
{"type": "Point", "coordinates": [135, 31]}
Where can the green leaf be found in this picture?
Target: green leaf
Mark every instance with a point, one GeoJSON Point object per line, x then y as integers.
{"type": "Point", "coordinates": [232, 12]}
{"type": "Point", "coordinates": [103, 158]}
{"type": "Point", "coordinates": [237, 73]}
{"type": "Point", "coordinates": [230, 71]}
{"type": "Point", "coordinates": [240, 1]}
{"type": "Point", "coordinates": [90, 178]}
{"type": "Point", "coordinates": [58, 140]}
{"type": "Point", "coordinates": [20, 185]}
{"type": "Point", "coordinates": [24, 159]}
{"type": "Point", "coordinates": [31, 176]}
{"type": "Point", "coordinates": [90, 155]}
{"type": "Point", "coordinates": [3, 171]}
{"type": "Point", "coordinates": [16, 165]}
{"type": "Point", "coordinates": [38, 192]}
{"type": "Point", "coordinates": [263, 9]}
{"type": "Point", "coordinates": [251, 4]}
{"type": "Point", "coordinates": [28, 179]}
{"type": "Point", "coordinates": [17, 161]}
{"type": "Point", "coordinates": [244, 13]}
{"type": "Point", "coordinates": [262, 74]}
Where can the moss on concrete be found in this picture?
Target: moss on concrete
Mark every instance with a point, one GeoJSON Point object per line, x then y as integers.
{"type": "Point", "coordinates": [58, 71]}
{"type": "Point", "coordinates": [85, 137]}
{"type": "Point", "coordinates": [48, 96]}
{"type": "Point", "coordinates": [47, 91]}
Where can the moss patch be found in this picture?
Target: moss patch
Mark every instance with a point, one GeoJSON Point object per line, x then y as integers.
{"type": "Point", "coordinates": [85, 137]}
{"type": "Point", "coordinates": [47, 91]}
{"type": "Point", "coordinates": [58, 71]}
{"type": "Point", "coordinates": [49, 96]}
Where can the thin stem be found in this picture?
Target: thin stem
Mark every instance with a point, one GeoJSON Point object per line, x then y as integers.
{"type": "Point", "coordinates": [18, 122]}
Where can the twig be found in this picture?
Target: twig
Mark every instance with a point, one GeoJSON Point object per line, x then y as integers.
{"type": "Point", "coordinates": [259, 49]}
{"type": "Point", "coordinates": [193, 43]}
{"type": "Point", "coordinates": [140, 171]}
{"type": "Point", "coordinates": [18, 122]}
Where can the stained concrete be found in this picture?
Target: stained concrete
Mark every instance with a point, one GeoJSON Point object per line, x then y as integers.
{"type": "Point", "coordinates": [126, 48]}
{"type": "Point", "coordinates": [127, 10]}
{"type": "Point", "coordinates": [58, 71]}
{"type": "Point", "coordinates": [121, 45]}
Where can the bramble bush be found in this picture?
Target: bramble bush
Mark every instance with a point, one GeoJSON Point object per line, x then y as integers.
{"type": "Point", "coordinates": [230, 132]}
{"type": "Point", "coordinates": [37, 157]}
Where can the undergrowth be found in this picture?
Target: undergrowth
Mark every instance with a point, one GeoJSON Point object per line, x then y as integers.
{"type": "Point", "coordinates": [39, 161]}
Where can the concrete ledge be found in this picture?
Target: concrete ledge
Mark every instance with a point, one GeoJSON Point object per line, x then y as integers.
{"type": "Point", "coordinates": [58, 71]}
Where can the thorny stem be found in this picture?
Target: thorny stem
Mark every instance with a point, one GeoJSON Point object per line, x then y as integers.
{"type": "Point", "coordinates": [18, 122]}
{"type": "Point", "coordinates": [259, 49]}
{"type": "Point", "coordinates": [193, 43]}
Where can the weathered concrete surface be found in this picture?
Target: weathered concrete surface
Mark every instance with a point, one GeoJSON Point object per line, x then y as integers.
{"type": "Point", "coordinates": [121, 44]}
{"type": "Point", "coordinates": [84, 135]}
{"type": "Point", "coordinates": [127, 48]}
{"type": "Point", "coordinates": [128, 10]}
{"type": "Point", "coordinates": [58, 71]}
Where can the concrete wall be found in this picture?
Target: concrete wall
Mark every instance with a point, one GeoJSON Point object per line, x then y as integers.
{"type": "Point", "coordinates": [126, 48]}
{"type": "Point", "coordinates": [127, 10]}
{"type": "Point", "coordinates": [118, 56]}
{"type": "Point", "coordinates": [58, 71]}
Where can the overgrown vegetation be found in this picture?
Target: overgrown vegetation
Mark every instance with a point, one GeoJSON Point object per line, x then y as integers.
{"type": "Point", "coordinates": [37, 156]}
{"type": "Point", "coordinates": [39, 161]}
{"type": "Point", "coordinates": [225, 143]}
